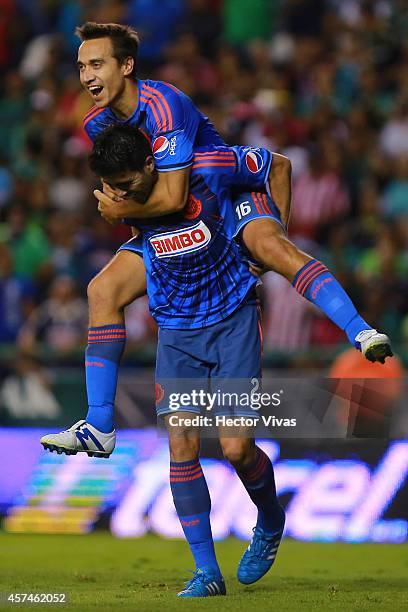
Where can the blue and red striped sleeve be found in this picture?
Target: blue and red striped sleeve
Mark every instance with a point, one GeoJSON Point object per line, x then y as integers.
{"type": "Point", "coordinates": [220, 161]}
{"type": "Point", "coordinates": [173, 122]}
{"type": "Point", "coordinates": [253, 166]}
{"type": "Point", "coordinates": [234, 166]}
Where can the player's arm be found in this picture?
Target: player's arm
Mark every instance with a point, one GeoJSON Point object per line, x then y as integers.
{"type": "Point", "coordinates": [279, 182]}
{"type": "Point", "coordinates": [168, 196]}
{"type": "Point", "coordinates": [260, 168]}
{"type": "Point", "coordinates": [173, 122]}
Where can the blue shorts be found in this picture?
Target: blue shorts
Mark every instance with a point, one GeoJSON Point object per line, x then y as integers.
{"type": "Point", "coordinates": [134, 244]}
{"type": "Point", "coordinates": [252, 205]}
{"type": "Point", "coordinates": [248, 207]}
{"type": "Point", "coordinates": [224, 357]}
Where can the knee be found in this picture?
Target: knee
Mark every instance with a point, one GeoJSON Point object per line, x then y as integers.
{"type": "Point", "coordinates": [239, 452]}
{"type": "Point", "coordinates": [183, 448]}
{"type": "Point", "coordinates": [97, 290]}
{"type": "Point", "coordinates": [102, 293]}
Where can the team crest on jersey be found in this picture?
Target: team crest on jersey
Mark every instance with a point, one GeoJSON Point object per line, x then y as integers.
{"type": "Point", "coordinates": [193, 207]}
{"type": "Point", "coordinates": [159, 392]}
{"type": "Point", "coordinates": [161, 147]}
{"type": "Point", "coordinates": [182, 241]}
{"type": "Point", "coordinates": [254, 161]}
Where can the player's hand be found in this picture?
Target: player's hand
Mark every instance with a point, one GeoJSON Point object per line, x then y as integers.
{"type": "Point", "coordinates": [111, 193]}
{"type": "Point", "coordinates": [106, 207]}
{"type": "Point", "coordinates": [257, 270]}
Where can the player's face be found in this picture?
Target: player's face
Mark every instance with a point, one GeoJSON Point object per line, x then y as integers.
{"type": "Point", "coordinates": [100, 73]}
{"type": "Point", "coordinates": [131, 184]}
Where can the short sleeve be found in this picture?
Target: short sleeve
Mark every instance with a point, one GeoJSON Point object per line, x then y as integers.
{"type": "Point", "coordinates": [239, 167]}
{"type": "Point", "coordinates": [253, 166]}
{"type": "Point", "coordinates": [174, 123]}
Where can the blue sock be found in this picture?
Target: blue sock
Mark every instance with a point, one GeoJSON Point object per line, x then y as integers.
{"type": "Point", "coordinates": [193, 505]}
{"type": "Point", "coordinates": [102, 357]}
{"type": "Point", "coordinates": [316, 283]}
{"type": "Point", "coordinates": [259, 481]}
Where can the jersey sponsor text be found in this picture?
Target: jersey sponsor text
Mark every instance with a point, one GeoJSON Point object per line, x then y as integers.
{"type": "Point", "coordinates": [180, 242]}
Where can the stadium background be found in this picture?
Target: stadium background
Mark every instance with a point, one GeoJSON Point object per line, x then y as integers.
{"type": "Point", "coordinates": [322, 81]}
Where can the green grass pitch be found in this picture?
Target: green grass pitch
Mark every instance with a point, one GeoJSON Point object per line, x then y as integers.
{"type": "Point", "coordinates": [99, 572]}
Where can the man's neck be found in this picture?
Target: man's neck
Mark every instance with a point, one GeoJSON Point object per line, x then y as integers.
{"type": "Point", "coordinates": [127, 103]}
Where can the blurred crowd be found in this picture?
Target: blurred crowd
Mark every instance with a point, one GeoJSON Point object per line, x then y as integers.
{"type": "Point", "coordinates": [323, 81]}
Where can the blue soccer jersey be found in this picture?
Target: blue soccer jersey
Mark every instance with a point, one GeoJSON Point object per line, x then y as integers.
{"type": "Point", "coordinates": [197, 273]}
{"type": "Point", "coordinates": [168, 118]}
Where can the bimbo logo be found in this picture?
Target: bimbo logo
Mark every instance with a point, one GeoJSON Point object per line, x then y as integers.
{"type": "Point", "coordinates": [254, 161]}
{"type": "Point", "coordinates": [180, 242]}
{"type": "Point", "coordinates": [161, 147]}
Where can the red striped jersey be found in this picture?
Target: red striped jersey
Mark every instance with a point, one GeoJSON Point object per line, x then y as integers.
{"type": "Point", "coordinates": [170, 120]}
{"type": "Point", "coordinates": [317, 200]}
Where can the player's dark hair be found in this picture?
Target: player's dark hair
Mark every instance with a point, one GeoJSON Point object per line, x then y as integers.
{"type": "Point", "coordinates": [125, 40]}
{"type": "Point", "coordinates": [119, 148]}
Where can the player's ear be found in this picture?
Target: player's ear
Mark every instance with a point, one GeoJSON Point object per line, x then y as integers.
{"type": "Point", "coordinates": [150, 165]}
{"type": "Point", "coordinates": [128, 66]}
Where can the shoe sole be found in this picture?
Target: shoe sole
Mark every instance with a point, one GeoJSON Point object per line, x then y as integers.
{"type": "Point", "coordinates": [200, 596]}
{"type": "Point", "coordinates": [70, 451]}
{"type": "Point", "coordinates": [379, 352]}
{"type": "Point", "coordinates": [208, 594]}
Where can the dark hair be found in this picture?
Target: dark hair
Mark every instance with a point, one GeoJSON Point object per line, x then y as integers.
{"type": "Point", "coordinates": [125, 40]}
{"type": "Point", "coordinates": [119, 148]}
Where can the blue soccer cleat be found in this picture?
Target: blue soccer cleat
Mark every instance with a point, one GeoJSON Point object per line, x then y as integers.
{"type": "Point", "coordinates": [204, 583]}
{"type": "Point", "coordinates": [260, 554]}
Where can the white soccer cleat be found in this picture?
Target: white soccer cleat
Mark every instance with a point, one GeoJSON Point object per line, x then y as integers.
{"type": "Point", "coordinates": [373, 345]}
{"type": "Point", "coordinates": [81, 438]}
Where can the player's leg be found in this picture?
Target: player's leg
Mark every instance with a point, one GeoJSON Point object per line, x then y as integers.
{"type": "Point", "coordinates": [266, 240]}
{"type": "Point", "coordinates": [120, 282]}
{"type": "Point", "coordinates": [238, 350]}
{"type": "Point", "coordinates": [178, 358]}
{"type": "Point", "coordinates": [116, 286]}
{"type": "Point", "coordinates": [193, 505]}
{"type": "Point", "coordinates": [255, 470]}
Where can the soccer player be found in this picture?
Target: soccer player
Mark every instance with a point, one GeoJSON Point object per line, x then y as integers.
{"type": "Point", "coordinates": [107, 62]}
{"type": "Point", "coordinates": [201, 294]}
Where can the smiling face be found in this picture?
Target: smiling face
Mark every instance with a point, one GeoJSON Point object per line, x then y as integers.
{"type": "Point", "coordinates": [100, 73]}
{"type": "Point", "coordinates": [133, 184]}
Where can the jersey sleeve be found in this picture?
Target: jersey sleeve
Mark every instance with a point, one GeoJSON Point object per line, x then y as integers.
{"type": "Point", "coordinates": [253, 167]}
{"type": "Point", "coordinates": [243, 167]}
{"type": "Point", "coordinates": [173, 122]}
